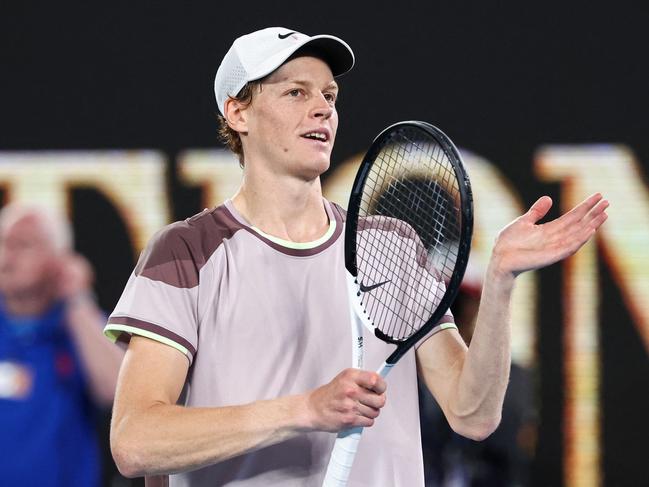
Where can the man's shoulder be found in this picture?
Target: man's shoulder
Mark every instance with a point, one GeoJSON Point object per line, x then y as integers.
{"type": "Point", "coordinates": [192, 240]}
{"type": "Point", "coordinates": [209, 226]}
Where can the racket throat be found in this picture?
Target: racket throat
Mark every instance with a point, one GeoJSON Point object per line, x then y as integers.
{"type": "Point", "coordinates": [395, 356]}
{"type": "Point", "coordinates": [398, 353]}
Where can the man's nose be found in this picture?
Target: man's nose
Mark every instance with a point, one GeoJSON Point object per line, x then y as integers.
{"type": "Point", "coordinates": [322, 108]}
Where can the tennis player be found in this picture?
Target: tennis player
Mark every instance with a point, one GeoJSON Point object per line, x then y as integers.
{"type": "Point", "coordinates": [237, 318]}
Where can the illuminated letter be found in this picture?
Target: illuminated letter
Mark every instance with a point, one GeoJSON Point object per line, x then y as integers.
{"type": "Point", "coordinates": [133, 182]}
{"type": "Point", "coordinates": [613, 171]}
{"type": "Point", "coordinates": [216, 171]}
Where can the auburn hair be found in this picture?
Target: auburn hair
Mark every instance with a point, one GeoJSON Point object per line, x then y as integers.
{"type": "Point", "coordinates": [227, 134]}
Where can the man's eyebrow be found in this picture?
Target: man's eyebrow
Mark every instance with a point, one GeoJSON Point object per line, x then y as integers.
{"type": "Point", "coordinates": [330, 86]}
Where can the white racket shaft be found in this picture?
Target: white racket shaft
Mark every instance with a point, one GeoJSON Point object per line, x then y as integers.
{"type": "Point", "coordinates": [358, 319]}
{"type": "Point", "coordinates": [346, 444]}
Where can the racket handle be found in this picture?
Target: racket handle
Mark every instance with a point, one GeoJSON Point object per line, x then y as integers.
{"type": "Point", "coordinates": [342, 458]}
{"type": "Point", "coordinates": [344, 451]}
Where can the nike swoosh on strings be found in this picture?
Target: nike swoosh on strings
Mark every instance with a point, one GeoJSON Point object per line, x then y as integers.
{"type": "Point", "coordinates": [284, 36]}
{"type": "Point", "coordinates": [365, 288]}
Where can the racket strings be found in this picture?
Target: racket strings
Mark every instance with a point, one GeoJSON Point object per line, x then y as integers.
{"type": "Point", "coordinates": [408, 233]}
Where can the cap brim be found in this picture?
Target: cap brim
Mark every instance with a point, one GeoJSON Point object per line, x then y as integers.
{"type": "Point", "coordinates": [334, 51]}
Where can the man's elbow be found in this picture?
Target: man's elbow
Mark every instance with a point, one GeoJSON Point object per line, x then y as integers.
{"type": "Point", "coordinates": [476, 430]}
{"type": "Point", "coordinates": [128, 456]}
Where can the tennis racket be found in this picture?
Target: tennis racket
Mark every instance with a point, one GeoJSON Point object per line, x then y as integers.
{"type": "Point", "coordinates": [407, 242]}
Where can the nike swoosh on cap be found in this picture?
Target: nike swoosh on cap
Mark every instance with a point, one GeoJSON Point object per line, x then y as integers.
{"type": "Point", "coordinates": [284, 36]}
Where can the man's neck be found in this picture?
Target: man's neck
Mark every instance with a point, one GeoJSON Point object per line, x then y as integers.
{"type": "Point", "coordinates": [286, 208]}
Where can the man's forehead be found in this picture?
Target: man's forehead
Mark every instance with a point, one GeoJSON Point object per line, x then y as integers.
{"type": "Point", "coordinates": [304, 69]}
{"type": "Point", "coordinates": [29, 225]}
{"type": "Point", "coordinates": [22, 222]}
{"type": "Point", "coordinates": [12, 216]}
{"type": "Point", "coordinates": [35, 222]}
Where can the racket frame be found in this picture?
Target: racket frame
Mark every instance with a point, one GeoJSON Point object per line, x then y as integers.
{"type": "Point", "coordinates": [466, 206]}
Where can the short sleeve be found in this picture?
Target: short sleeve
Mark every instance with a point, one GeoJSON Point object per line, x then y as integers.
{"type": "Point", "coordinates": [445, 323]}
{"type": "Point", "coordinates": [160, 300]}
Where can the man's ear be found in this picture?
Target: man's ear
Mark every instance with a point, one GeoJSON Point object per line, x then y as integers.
{"type": "Point", "coordinates": [236, 115]}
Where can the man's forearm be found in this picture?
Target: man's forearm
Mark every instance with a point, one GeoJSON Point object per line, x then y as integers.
{"type": "Point", "coordinates": [483, 378]}
{"type": "Point", "coordinates": [165, 439]}
{"type": "Point", "coordinates": [470, 384]}
{"type": "Point", "coordinates": [150, 435]}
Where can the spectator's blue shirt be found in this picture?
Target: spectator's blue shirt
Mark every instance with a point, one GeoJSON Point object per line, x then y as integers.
{"type": "Point", "coordinates": [47, 422]}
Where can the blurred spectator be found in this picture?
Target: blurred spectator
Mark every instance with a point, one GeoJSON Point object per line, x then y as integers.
{"type": "Point", "coordinates": [504, 458]}
{"type": "Point", "coordinates": [56, 368]}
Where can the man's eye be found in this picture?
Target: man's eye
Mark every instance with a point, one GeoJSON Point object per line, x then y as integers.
{"type": "Point", "coordinates": [295, 92]}
{"type": "Point", "coordinates": [330, 97]}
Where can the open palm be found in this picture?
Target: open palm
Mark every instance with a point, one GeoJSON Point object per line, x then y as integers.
{"type": "Point", "coordinates": [526, 245]}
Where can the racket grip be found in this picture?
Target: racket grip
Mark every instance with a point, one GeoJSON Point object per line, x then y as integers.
{"type": "Point", "coordinates": [342, 458]}
{"type": "Point", "coordinates": [344, 451]}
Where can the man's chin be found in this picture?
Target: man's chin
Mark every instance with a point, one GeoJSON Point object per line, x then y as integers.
{"type": "Point", "coordinates": [316, 172]}
{"type": "Point", "coordinates": [313, 169]}
{"type": "Point", "coordinates": [322, 166]}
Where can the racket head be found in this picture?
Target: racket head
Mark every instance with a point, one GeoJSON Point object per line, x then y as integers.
{"type": "Point", "coordinates": [408, 230]}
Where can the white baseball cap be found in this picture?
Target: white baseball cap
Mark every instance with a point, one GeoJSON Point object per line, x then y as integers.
{"type": "Point", "coordinates": [258, 54]}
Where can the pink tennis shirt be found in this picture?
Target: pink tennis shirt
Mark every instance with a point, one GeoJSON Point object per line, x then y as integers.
{"type": "Point", "coordinates": [260, 318]}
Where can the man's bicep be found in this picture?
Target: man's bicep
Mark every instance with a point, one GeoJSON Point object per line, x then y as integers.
{"type": "Point", "coordinates": [151, 373]}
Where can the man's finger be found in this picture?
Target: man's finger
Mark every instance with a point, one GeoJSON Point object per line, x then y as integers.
{"type": "Point", "coordinates": [372, 400]}
{"type": "Point", "coordinates": [539, 209]}
{"type": "Point", "coordinates": [582, 209]}
{"type": "Point", "coordinates": [598, 215]}
{"type": "Point", "coordinates": [372, 381]}
{"type": "Point", "coordinates": [367, 411]}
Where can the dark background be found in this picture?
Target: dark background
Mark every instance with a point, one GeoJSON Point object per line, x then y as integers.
{"type": "Point", "coordinates": [501, 78]}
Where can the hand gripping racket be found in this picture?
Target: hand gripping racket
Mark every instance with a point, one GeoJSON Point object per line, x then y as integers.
{"type": "Point", "coordinates": [407, 242]}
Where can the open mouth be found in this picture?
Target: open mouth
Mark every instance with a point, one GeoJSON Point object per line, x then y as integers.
{"type": "Point", "coordinates": [319, 136]}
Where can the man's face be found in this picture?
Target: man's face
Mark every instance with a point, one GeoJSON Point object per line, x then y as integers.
{"type": "Point", "coordinates": [292, 120]}
{"type": "Point", "coordinates": [28, 260]}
